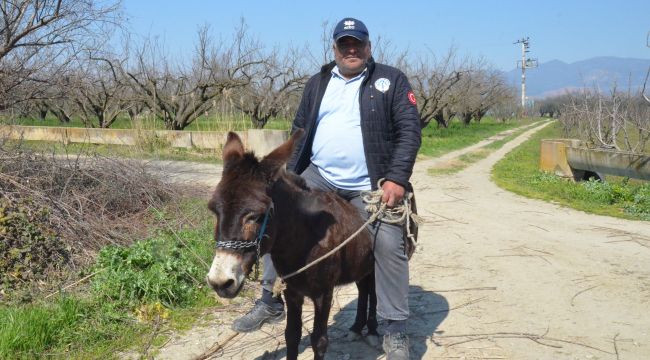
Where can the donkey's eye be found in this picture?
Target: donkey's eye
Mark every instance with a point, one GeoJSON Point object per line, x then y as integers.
{"type": "Point", "coordinates": [251, 218]}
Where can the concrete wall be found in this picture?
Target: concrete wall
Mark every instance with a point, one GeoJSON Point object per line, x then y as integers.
{"type": "Point", "coordinates": [569, 158]}
{"type": "Point", "coordinates": [260, 141]}
{"type": "Point", "coordinates": [553, 156]}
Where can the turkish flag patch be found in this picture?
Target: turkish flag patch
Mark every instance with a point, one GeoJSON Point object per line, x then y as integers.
{"type": "Point", "coordinates": [411, 97]}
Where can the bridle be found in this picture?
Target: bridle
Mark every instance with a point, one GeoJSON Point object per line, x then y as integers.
{"type": "Point", "coordinates": [238, 245]}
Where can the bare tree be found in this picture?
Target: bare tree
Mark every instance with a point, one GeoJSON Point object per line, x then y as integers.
{"type": "Point", "coordinates": [618, 120]}
{"type": "Point", "coordinates": [553, 106]}
{"type": "Point", "coordinates": [179, 94]}
{"type": "Point", "coordinates": [99, 91]}
{"type": "Point", "coordinates": [37, 38]}
{"type": "Point", "coordinates": [325, 54]}
{"type": "Point", "coordinates": [60, 103]}
{"type": "Point", "coordinates": [384, 52]}
{"type": "Point", "coordinates": [432, 80]}
{"type": "Point", "coordinates": [508, 108]}
{"type": "Point", "coordinates": [275, 87]}
{"type": "Point", "coordinates": [482, 88]}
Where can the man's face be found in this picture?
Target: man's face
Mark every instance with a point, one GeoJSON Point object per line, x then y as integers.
{"type": "Point", "coordinates": [351, 55]}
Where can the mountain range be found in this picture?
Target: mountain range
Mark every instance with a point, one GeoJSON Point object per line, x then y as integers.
{"type": "Point", "coordinates": [556, 77]}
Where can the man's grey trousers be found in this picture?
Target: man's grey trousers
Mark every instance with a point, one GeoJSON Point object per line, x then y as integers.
{"type": "Point", "coordinates": [391, 262]}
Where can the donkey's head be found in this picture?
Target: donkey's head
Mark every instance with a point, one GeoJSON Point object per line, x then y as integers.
{"type": "Point", "coordinates": [241, 203]}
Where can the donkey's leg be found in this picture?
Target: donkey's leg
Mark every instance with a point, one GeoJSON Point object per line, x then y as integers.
{"type": "Point", "coordinates": [373, 336]}
{"type": "Point", "coordinates": [372, 309]}
{"type": "Point", "coordinates": [293, 331]}
{"type": "Point", "coordinates": [319, 339]}
{"type": "Point", "coordinates": [362, 308]}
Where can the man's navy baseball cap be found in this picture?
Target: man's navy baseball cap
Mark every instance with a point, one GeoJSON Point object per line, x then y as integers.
{"type": "Point", "coordinates": [351, 27]}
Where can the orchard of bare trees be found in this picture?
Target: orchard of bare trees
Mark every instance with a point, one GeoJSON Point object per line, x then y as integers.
{"type": "Point", "coordinates": [617, 120]}
{"type": "Point", "coordinates": [56, 59]}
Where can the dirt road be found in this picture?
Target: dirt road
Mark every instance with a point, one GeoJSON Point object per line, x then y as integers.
{"type": "Point", "coordinates": [495, 276]}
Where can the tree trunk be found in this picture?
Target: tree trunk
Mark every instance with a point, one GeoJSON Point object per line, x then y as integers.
{"type": "Point", "coordinates": [61, 115]}
{"type": "Point", "coordinates": [466, 117]}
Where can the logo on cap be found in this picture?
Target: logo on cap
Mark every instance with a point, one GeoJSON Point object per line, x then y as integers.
{"type": "Point", "coordinates": [350, 27]}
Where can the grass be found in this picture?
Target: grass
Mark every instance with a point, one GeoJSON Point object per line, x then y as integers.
{"type": "Point", "coordinates": [143, 151]}
{"type": "Point", "coordinates": [519, 172]}
{"type": "Point", "coordinates": [154, 284]}
{"type": "Point", "coordinates": [437, 141]}
{"type": "Point", "coordinates": [215, 122]}
{"type": "Point", "coordinates": [67, 327]}
{"type": "Point", "coordinates": [465, 160]}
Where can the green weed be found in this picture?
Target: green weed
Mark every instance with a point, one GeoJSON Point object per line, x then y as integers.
{"type": "Point", "coordinates": [152, 270]}
{"type": "Point", "coordinates": [214, 122]}
{"type": "Point", "coordinates": [519, 172]}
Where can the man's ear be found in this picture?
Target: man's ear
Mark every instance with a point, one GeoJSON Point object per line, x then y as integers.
{"type": "Point", "coordinates": [273, 162]}
{"type": "Point", "coordinates": [233, 149]}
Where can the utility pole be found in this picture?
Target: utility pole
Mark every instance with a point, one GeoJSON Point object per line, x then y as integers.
{"type": "Point", "coordinates": [524, 64]}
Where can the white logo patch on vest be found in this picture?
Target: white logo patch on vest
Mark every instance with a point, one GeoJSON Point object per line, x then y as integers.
{"type": "Point", "coordinates": [382, 84]}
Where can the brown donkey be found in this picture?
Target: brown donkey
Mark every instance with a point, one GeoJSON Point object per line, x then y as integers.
{"type": "Point", "coordinates": [261, 208]}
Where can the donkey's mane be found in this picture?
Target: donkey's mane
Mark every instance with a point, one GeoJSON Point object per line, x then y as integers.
{"type": "Point", "coordinates": [296, 180]}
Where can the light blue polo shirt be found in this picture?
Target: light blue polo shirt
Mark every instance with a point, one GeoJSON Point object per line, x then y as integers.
{"type": "Point", "coordinates": [337, 150]}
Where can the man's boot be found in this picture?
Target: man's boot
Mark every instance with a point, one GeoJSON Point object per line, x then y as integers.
{"type": "Point", "coordinates": [268, 310]}
{"type": "Point", "coordinates": [396, 346]}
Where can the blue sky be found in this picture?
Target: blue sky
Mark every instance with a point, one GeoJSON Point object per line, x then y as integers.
{"type": "Point", "coordinates": [564, 30]}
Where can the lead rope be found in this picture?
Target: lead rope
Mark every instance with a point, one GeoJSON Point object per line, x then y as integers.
{"type": "Point", "coordinates": [378, 210]}
{"type": "Point", "coordinates": [400, 214]}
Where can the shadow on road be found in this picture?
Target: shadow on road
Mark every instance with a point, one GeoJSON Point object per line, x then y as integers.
{"type": "Point", "coordinates": [428, 311]}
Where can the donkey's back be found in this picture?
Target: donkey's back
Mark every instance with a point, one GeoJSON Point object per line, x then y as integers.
{"type": "Point", "coordinates": [310, 224]}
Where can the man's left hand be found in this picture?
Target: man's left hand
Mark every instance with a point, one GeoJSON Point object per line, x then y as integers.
{"type": "Point", "coordinates": [393, 193]}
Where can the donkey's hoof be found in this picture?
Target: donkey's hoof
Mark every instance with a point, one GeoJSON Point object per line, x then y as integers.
{"type": "Point", "coordinates": [373, 340]}
{"type": "Point", "coordinates": [353, 336]}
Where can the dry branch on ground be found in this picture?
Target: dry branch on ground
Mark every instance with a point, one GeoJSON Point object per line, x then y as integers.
{"type": "Point", "coordinates": [59, 211]}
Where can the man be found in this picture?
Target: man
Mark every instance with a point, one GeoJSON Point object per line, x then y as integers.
{"type": "Point", "coordinates": [361, 125]}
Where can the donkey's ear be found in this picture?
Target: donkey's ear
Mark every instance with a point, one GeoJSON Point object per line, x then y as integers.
{"type": "Point", "coordinates": [274, 161]}
{"type": "Point", "coordinates": [233, 149]}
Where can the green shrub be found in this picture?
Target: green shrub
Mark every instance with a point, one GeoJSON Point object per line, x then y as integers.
{"type": "Point", "coordinates": [607, 192]}
{"type": "Point", "coordinates": [153, 270]}
{"type": "Point", "coordinates": [640, 204]}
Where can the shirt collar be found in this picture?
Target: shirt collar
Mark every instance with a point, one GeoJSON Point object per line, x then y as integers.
{"type": "Point", "coordinates": [337, 73]}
